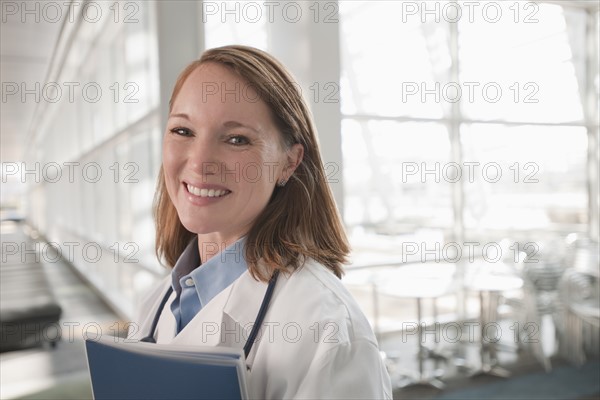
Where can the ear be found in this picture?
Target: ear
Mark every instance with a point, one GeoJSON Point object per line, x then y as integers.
{"type": "Point", "coordinates": [294, 156]}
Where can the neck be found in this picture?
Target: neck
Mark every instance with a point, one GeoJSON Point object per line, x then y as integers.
{"type": "Point", "coordinates": [211, 244]}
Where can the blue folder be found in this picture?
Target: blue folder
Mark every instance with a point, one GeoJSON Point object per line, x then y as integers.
{"type": "Point", "coordinates": [121, 370]}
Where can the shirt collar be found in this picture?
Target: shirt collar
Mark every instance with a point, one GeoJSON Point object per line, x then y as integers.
{"type": "Point", "coordinates": [211, 277]}
{"type": "Point", "coordinates": [187, 262]}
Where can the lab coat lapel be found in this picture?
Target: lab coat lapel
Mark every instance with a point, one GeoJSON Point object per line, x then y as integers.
{"type": "Point", "coordinates": [167, 325]}
{"type": "Point", "coordinates": [228, 318]}
{"type": "Point", "coordinates": [205, 328]}
{"type": "Point", "coordinates": [145, 315]}
{"type": "Point", "coordinates": [245, 300]}
{"type": "Point", "coordinates": [240, 312]}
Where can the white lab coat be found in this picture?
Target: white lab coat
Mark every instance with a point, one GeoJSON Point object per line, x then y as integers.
{"type": "Point", "coordinates": [315, 342]}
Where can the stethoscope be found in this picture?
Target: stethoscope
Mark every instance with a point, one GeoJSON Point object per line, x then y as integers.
{"type": "Point", "coordinates": [259, 318]}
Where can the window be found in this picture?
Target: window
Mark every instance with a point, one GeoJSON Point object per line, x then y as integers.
{"type": "Point", "coordinates": [500, 119]}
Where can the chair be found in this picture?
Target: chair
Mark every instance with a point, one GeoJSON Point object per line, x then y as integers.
{"type": "Point", "coordinates": [541, 299]}
{"type": "Point", "coordinates": [581, 294]}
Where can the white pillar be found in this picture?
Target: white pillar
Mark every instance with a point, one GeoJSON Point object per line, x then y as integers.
{"type": "Point", "coordinates": [308, 44]}
{"type": "Point", "coordinates": [592, 121]}
{"type": "Point", "coordinates": [180, 41]}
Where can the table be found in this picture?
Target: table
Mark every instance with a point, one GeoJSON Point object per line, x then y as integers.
{"type": "Point", "coordinates": [489, 280]}
{"type": "Point", "coordinates": [420, 282]}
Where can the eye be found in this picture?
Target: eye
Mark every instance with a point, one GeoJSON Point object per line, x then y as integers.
{"type": "Point", "coordinates": [238, 140]}
{"type": "Point", "coordinates": [181, 131]}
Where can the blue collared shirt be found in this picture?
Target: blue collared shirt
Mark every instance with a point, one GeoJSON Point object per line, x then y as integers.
{"type": "Point", "coordinates": [196, 284]}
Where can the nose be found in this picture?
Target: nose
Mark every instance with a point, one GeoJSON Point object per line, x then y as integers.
{"type": "Point", "coordinates": [203, 155]}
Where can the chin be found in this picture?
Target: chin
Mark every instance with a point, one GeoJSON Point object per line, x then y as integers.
{"type": "Point", "coordinates": [196, 225]}
{"type": "Point", "coordinates": [198, 229]}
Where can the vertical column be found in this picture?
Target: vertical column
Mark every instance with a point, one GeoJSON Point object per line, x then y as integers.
{"type": "Point", "coordinates": [458, 230]}
{"type": "Point", "coordinates": [180, 41]}
{"type": "Point", "coordinates": [304, 35]}
{"type": "Point", "coordinates": [458, 195]}
{"type": "Point", "coordinates": [592, 123]}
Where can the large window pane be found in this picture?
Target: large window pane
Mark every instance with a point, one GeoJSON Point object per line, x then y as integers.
{"type": "Point", "coordinates": [393, 174]}
{"type": "Point", "coordinates": [525, 177]}
{"type": "Point", "coordinates": [386, 64]}
{"type": "Point", "coordinates": [520, 62]}
{"type": "Point", "coordinates": [523, 65]}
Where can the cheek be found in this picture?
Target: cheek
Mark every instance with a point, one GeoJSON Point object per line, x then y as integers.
{"type": "Point", "coordinates": [167, 151]}
{"type": "Point", "coordinates": [272, 167]}
{"type": "Point", "coordinates": [170, 163]}
{"type": "Point", "coordinates": [275, 157]}
{"type": "Point", "coordinates": [258, 179]}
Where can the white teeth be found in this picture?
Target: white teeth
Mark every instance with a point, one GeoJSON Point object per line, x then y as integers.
{"type": "Point", "coordinates": [206, 192]}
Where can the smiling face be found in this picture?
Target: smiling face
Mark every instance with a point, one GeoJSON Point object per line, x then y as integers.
{"type": "Point", "coordinates": [222, 154]}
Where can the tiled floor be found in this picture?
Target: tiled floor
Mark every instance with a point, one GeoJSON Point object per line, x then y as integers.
{"type": "Point", "coordinates": [454, 372]}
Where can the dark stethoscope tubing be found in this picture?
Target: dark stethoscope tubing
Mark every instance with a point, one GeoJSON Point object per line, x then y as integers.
{"type": "Point", "coordinates": [253, 333]}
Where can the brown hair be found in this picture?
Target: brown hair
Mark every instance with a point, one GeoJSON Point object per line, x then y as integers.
{"type": "Point", "coordinates": [301, 219]}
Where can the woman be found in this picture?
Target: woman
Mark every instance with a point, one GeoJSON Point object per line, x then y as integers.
{"type": "Point", "coordinates": [243, 208]}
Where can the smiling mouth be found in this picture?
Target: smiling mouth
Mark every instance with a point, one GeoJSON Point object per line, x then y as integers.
{"type": "Point", "coordinates": [207, 192]}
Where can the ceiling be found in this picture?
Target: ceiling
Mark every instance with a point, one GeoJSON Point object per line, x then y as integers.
{"type": "Point", "coordinates": [25, 52]}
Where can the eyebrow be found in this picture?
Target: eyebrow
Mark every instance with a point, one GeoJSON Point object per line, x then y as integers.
{"type": "Point", "coordinates": [227, 124]}
{"type": "Point", "coordinates": [181, 115]}
{"type": "Point", "coordinates": [236, 124]}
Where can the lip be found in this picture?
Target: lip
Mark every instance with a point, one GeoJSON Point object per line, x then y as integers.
{"type": "Point", "coordinates": [201, 201]}
{"type": "Point", "coordinates": [203, 185]}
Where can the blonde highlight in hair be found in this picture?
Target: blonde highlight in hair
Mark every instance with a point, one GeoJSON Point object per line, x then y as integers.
{"type": "Point", "coordinates": [301, 220]}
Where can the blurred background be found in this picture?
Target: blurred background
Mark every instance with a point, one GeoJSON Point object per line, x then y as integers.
{"type": "Point", "coordinates": [460, 140]}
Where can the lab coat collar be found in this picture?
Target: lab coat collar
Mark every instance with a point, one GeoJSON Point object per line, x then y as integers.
{"type": "Point", "coordinates": [227, 319]}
